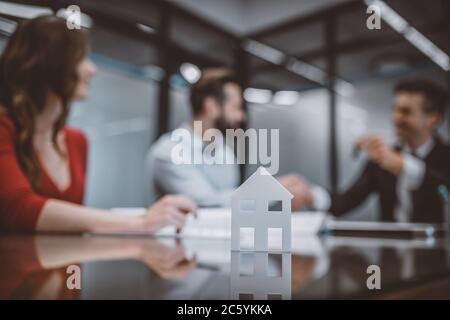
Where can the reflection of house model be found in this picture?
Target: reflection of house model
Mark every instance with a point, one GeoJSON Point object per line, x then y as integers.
{"type": "Point", "coordinates": [262, 206]}
{"type": "Point", "coordinates": [259, 284]}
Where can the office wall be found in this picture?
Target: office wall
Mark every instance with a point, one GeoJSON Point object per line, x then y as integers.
{"type": "Point", "coordinates": [180, 109]}
{"type": "Point", "coordinates": [303, 134]}
{"type": "Point", "coordinates": [119, 119]}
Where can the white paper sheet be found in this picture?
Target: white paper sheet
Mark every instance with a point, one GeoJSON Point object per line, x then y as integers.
{"type": "Point", "coordinates": [215, 223]}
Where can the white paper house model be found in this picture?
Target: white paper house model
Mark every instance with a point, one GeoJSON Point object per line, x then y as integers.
{"type": "Point", "coordinates": [262, 204]}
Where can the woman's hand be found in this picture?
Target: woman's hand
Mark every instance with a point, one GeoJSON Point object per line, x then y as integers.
{"type": "Point", "coordinates": [170, 210]}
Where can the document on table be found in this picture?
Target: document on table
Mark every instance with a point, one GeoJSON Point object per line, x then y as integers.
{"type": "Point", "coordinates": [216, 223]}
{"type": "Point", "coordinates": [374, 226]}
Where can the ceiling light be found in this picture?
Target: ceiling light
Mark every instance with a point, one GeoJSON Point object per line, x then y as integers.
{"type": "Point", "coordinates": [264, 52]}
{"type": "Point", "coordinates": [190, 72]}
{"type": "Point", "coordinates": [7, 26]}
{"type": "Point", "coordinates": [411, 34]}
{"type": "Point", "coordinates": [286, 97]}
{"type": "Point", "coordinates": [23, 11]}
{"type": "Point", "coordinates": [428, 48]}
{"type": "Point", "coordinates": [307, 70]}
{"type": "Point", "coordinates": [254, 95]}
{"type": "Point", "coordinates": [153, 72]}
{"type": "Point", "coordinates": [84, 21]}
{"type": "Point", "coordinates": [344, 88]}
{"type": "Point", "coordinates": [145, 28]}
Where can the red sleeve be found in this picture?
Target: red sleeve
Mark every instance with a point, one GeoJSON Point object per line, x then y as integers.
{"type": "Point", "coordinates": [20, 206]}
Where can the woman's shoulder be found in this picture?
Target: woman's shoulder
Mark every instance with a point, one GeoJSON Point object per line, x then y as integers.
{"type": "Point", "coordinates": [75, 134]}
{"type": "Point", "coordinates": [76, 137]}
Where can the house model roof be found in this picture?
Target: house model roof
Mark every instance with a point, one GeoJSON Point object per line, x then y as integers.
{"type": "Point", "coordinates": [262, 183]}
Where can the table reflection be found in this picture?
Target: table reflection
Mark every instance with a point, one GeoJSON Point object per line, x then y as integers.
{"type": "Point", "coordinates": [34, 267]}
{"type": "Point", "coordinates": [404, 263]}
{"type": "Point", "coordinates": [260, 275]}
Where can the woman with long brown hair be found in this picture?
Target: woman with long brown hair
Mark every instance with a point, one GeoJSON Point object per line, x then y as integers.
{"type": "Point", "coordinates": [43, 69]}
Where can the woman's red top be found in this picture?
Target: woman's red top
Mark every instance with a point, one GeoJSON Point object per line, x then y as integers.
{"type": "Point", "coordinates": [20, 205]}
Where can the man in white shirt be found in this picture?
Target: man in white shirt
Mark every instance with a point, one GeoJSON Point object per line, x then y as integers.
{"type": "Point", "coordinates": [408, 178]}
{"type": "Point", "coordinates": [217, 104]}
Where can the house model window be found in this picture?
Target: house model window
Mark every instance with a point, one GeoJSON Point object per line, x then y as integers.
{"type": "Point", "coordinates": [275, 205]}
{"type": "Point", "coordinates": [261, 204]}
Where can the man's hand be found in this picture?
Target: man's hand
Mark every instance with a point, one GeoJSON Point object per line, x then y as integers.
{"type": "Point", "coordinates": [382, 154]}
{"type": "Point", "coordinates": [299, 188]}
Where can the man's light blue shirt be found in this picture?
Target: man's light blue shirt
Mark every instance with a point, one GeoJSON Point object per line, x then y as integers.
{"type": "Point", "coordinates": [207, 184]}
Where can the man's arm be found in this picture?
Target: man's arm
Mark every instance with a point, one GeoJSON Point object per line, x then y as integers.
{"type": "Point", "coordinates": [341, 203]}
{"type": "Point", "coordinates": [413, 173]}
{"type": "Point", "coordinates": [187, 180]}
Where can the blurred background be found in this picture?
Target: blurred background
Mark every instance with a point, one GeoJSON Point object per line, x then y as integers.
{"type": "Point", "coordinates": [312, 69]}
